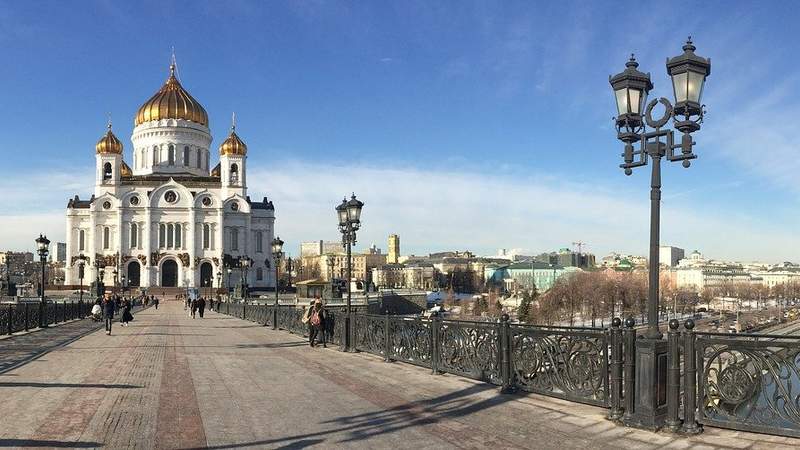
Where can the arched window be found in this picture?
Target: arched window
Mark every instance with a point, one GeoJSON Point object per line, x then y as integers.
{"type": "Point", "coordinates": [234, 239]}
{"type": "Point", "coordinates": [81, 240]}
{"type": "Point", "coordinates": [171, 155]}
{"type": "Point", "coordinates": [199, 159]}
{"type": "Point", "coordinates": [107, 171]}
{"type": "Point", "coordinates": [142, 159]}
{"type": "Point", "coordinates": [170, 235]}
{"type": "Point", "coordinates": [162, 235]}
{"type": "Point", "coordinates": [155, 155]}
{"type": "Point", "coordinates": [106, 238]}
{"type": "Point", "coordinates": [259, 242]}
{"type": "Point", "coordinates": [134, 235]}
{"type": "Point", "coordinates": [234, 173]}
{"type": "Point", "coordinates": [186, 156]}
{"type": "Point", "coordinates": [259, 274]}
{"type": "Point", "coordinates": [178, 233]}
{"type": "Point", "coordinates": [206, 236]}
{"type": "Point", "coordinates": [206, 155]}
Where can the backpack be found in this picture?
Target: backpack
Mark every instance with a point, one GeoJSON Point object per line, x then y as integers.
{"type": "Point", "coordinates": [315, 320]}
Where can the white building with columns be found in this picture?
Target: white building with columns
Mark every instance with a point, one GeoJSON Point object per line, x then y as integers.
{"type": "Point", "coordinates": [169, 219]}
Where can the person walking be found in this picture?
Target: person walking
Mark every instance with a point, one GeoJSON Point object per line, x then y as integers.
{"type": "Point", "coordinates": [126, 312]}
{"type": "Point", "coordinates": [193, 308]}
{"type": "Point", "coordinates": [108, 311]}
{"type": "Point", "coordinates": [316, 317]}
{"type": "Point", "coordinates": [201, 306]}
{"type": "Point", "coordinates": [155, 301]}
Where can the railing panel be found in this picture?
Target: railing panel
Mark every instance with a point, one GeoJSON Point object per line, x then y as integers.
{"type": "Point", "coordinates": [470, 349]}
{"type": "Point", "coordinates": [749, 383]}
{"type": "Point", "coordinates": [410, 340]}
{"type": "Point", "coordinates": [370, 333]}
{"type": "Point", "coordinates": [17, 315]}
{"type": "Point", "coordinates": [291, 319]}
{"type": "Point", "coordinates": [567, 363]}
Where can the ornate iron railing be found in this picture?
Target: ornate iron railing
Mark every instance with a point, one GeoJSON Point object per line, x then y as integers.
{"type": "Point", "coordinates": [569, 363]}
{"type": "Point", "coordinates": [410, 340]}
{"type": "Point", "coordinates": [370, 333]}
{"type": "Point", "coordinates": [469, 349]}
{"type": "Point", "coordinates": [291, 319]}
{"type": "Point", "coordinates": [25, 316]}
{"type": "Point", "coordinates": [749, 382]}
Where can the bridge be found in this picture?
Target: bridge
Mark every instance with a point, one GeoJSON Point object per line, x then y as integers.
{"type": "Point", "coordinates": [170, 381]}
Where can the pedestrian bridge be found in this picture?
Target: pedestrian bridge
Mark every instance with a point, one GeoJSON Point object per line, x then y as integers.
{"type": "Point", "coordinates": [170, 381]}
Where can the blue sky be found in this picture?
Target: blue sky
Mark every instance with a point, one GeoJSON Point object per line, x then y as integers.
{"type": "Point", "coordinates": [470, 125]}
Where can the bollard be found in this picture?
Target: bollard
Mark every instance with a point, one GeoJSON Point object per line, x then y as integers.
{"type": "Point", "coordinates": [436, 325]}
{"type": "Point", "coordinates": [629, 339]}
{"type": "Point", "coordinates": [690, 425]}
{"type": "Point", "coordinates": [505, 355]}
{"type": "Point", "coordinates": [673, 422]}
{"type": "Point", "coordinates": [616, 410]}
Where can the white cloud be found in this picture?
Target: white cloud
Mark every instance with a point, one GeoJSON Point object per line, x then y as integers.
{"type": "Point", "coordinates": [441, 210]}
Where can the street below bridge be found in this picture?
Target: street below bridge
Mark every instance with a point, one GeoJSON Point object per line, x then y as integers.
{"type": "Point", "coordinates": [170, 381]}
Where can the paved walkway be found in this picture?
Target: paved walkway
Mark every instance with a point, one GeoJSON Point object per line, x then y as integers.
{"type": "Point", "coordinates": [169, 381]}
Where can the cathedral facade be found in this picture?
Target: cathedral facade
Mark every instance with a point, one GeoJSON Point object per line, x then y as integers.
{"type": "Point", "coordinates": [169, 219]}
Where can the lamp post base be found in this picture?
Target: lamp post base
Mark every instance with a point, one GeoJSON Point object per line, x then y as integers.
{"type": "Point", "coordinates": [650, 406]}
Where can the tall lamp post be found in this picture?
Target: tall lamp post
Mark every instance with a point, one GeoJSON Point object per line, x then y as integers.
{"type": "Point", "coordinates": [228, 284]}
{"type": "Point", "coordinates": [43, 245]}
{"type": "Point", "coordinates": [245, 263]}
{"type": "Point", "coordinates": [115, 272]}
{"type": "Point", "coordinates": [277, 254]}
{"type": "Point", "coordinates": [631, 87]}
{"type": "Point", "coordinates": [349, 214]}
{"type": "Point", "coordinates": [81, 272]}
{"type": "Point", "coordinates": [219, 283]}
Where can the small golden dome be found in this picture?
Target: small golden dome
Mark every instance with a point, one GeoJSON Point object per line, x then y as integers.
{"type": "Point", "coordinates": [125, 170]}
{"type": "Point", "coordinates": [109, 143]}
{"type": "Point", "coordinates": [233, 145]}
{"type": "Point", "coordinates": [172, 102]}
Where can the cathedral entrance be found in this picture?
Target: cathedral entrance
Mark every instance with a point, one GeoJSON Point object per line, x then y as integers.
{"type": "Point", "coordinates": [134, 278]}
{"type": "Point", "coordinates": [169, 273]}
{"type": "Point", "coordinates": [206, 274]}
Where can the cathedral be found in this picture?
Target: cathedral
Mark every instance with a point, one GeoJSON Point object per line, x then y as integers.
{"type": "Point", "coordinates": [169, 219]}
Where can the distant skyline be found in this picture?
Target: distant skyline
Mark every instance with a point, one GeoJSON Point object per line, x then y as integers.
{"type": "Point", "coordinates": [462, 125]}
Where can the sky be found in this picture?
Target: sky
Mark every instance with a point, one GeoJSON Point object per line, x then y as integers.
{"type": "Point", "coordinates": [461, 125]}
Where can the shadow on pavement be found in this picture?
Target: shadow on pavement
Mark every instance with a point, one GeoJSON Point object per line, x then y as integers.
{"type": "Point", "coordinates": [274, 345]}
{"type": "Point", "coordinates": [42, 443]}
{"type": "Point", "coordinates": [4, 384]}
{"type": "Point", "coordinates": [413, 414]}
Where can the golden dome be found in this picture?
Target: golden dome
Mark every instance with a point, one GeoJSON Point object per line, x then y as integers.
{"type": "Point", "coordinates": [125, 170]}
{"type": "Point", "coordinates": [233, 145]}
{"type": "Point", "coordinates": [172, 102]}
{"type": "Point", "coordinates": [215, 172]}
{"type": "Point", "coordinates": [109, 143]}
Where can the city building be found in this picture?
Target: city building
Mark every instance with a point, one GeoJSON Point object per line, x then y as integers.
{"type": "Point", "coordinates": [669, 255]}
{"type": "Point", "coordinates": [15, 260]}
{"type": "Point", "coordinates": [318, 248]}
{"type": "Point", "coordinates": [394, 249]}
{"type": "Point", "coordinates": [60, 253]}
{"type": "Point", "coordinates": [543, 275]}
{"type": "Point", "coordinates": [329, 266]}
{"type": "Point", "coordinates": [419, 276]}
{"type": "Point", "coordinates": [169, 218]}
{"type": "Point", "coordinates": [568, 258]}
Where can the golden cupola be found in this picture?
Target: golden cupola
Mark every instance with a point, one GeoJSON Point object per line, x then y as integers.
{"type": "Point", "coordinates": [109, 143]}
{"type": "Point", "coordinates": [172, 101]}
{"type": "Point", "coordinates": [233, 145]}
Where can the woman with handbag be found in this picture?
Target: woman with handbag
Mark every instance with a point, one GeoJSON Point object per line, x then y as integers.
{"type": "Point", "coordinates": [316, 317]}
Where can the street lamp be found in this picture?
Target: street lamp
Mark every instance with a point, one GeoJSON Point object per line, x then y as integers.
{"type": "Point", "coordinates": [115, 272]}
{"type": "Point", "coordinates": [81, 271]}
{"type": "Point", "coordinates": [631, 87]}
{"type": "Point", "coordinates": [228, 283]}
{"type": "Point", "coordinates": [219, 282]}
{"type": "Point", "coordinates": [245, 264]}
{"type": "Point", "coordinates": [277, 254]}
{"type": "Point", "coordinates": [43, 245]}
{"type": "Point", "coordinates": [349, 214]}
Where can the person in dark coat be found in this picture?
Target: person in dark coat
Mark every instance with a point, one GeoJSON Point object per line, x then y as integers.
{"type": "Point", "coordinates": [316, 317]}
{"type": "Point", "coordinates": [193, 307]}
{"type": "Point", "coordinates": [126, 312]}
{"type": "Point", "coordinates": [109, 306]}
{"type": "Point", "coordinates": [201, 306]}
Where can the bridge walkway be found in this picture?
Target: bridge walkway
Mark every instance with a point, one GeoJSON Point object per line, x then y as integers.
{"type": "Point", "coordinates": [170, 381]}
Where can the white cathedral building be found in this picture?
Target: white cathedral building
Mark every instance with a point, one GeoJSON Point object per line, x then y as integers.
{"type": "Point", "coordinates": [169, 219]}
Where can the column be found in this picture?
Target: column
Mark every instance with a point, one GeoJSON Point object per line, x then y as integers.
{"type": "Point", "coordinates": [147, 233]}
{"type": "Point", "coordinates": [190, 241]}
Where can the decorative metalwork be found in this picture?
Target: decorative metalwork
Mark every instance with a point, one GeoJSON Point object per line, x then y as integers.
{"type": "Point", "coordinates": [184, 257]}
{"type": "Point", "coordinates": [291, 319]}
{"type": "Point", "coordinates": [561, 362]}
{"type": "Point", "coordinates": [410, 340]}
{"type": "Point", "coordinates": [749, 382]}
{"type": "Point", "coordinates": [370, 333]}
{"type": "Point", "coordinates": [470, 349]}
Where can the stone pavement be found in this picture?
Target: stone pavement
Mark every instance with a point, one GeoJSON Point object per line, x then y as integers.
{"type": "Point", "coordinates": [169, 381]}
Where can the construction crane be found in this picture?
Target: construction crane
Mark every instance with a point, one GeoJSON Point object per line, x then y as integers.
{"type": "Point", "coordinates": [580, 246]}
